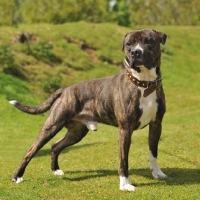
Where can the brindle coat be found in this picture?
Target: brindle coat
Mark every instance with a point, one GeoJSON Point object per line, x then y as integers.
{"type": "Point", "coordinates": [111, 100]}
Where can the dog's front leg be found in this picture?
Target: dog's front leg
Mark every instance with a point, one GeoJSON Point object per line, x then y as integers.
{"type": "Point", "coordinates": [154, 137]}
{"type": "Point", "coordinates": [124, 146]}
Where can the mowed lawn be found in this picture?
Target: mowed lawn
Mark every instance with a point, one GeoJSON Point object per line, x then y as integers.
{"type": "Point", "coordinates": [91, 165]}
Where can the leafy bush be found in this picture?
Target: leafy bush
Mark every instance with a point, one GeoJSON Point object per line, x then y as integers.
{"type": "Point", "coordinates": [6, 57]}
{"type": "Point", "coordinates": [42, 51]}
{"type": "Point", "coordinates": [8, 63]}
{"type": "Point", "coordinates": [53, 83]}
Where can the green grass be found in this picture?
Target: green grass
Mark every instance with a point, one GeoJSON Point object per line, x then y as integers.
{"type": "Point", "coordinates": [64, 50]}
{"type": "Point", "coordinates": [91, 166]}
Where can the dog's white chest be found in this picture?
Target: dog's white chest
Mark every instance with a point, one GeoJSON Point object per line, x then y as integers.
{"type": "Point", "coordinates": [148, 105]}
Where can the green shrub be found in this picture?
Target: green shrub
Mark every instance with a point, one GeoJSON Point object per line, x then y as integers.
{"type": "Point", "coordinates": [8, 63]}
{"type": "Point", "coordinates": [53, 83]}
{"type": "Point", "coordinates": [42, 51]}
{"type": "Point", "coordinates": [6, 57]}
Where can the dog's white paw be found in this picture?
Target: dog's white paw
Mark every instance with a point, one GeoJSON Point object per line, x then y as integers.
{"type": "Point", "coordinates": [155, 169]}
{"type": "Point", "coordinates": [18, 180]}
{"type": "Point", "coordinates": [158, 174]}
{"type": "Point", "coordinates": [125, 184]}
{"type": "Point", "coordinates": [58, 172]}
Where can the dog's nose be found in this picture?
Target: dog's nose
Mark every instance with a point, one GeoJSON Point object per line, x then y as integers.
{"type": "Point", "coordinates": [136, 53]}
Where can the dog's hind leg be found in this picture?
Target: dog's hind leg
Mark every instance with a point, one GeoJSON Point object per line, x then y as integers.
{"type": "Point", "coordinates": [53, 124]}
{"type": "Point", "coordinates": [76, 131]}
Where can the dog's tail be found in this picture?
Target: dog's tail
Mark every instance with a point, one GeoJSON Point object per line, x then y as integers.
{"type": "Point", "coordinates": [41, 108]}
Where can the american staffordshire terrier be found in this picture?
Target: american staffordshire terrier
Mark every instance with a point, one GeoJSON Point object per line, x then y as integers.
{"type": "Point", "coordinates": [130, 100]}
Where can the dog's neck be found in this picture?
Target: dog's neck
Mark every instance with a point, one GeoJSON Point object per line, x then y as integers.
{"type": "Point", "coordinates": [143, 73]}
{"type": "Point", "coordinates": [148, 79]}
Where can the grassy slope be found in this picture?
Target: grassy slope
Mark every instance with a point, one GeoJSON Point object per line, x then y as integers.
{"type": "Point", "coordinates": [91, 165]}
{"type": "Point", "coordinates": [75, 55]}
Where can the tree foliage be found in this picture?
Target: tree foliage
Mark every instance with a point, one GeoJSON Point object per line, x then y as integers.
{"type": "Point", "coordinates": [6, 12]}
{"type": "Point", "coordinates": [165, 12]}
{"type": "Point", "coordinates": [54, 11]}
{"type": "Point", "coordinates": [122, 12]}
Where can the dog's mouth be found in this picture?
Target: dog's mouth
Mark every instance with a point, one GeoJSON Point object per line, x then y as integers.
{"type": "Point", "coordinates": [148, 59]}
{"type": "Point", "coordinates": [135, 63]}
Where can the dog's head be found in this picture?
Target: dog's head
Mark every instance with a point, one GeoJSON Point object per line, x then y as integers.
{"type": "Point", "coordinates": [142, 48]}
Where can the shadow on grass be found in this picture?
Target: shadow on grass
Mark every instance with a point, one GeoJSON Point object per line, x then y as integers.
{"type": "Point", "coordinates": [44, 152]}
{"type": "Point", "coordinates": [176, 176]}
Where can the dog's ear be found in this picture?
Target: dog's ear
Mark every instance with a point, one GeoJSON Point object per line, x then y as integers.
{"type": "Point", "coordinates": [123, 42]}
{"type": "Point", "coordinates": [162, 36]}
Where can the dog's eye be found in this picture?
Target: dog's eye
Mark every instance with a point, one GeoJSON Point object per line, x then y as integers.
{"type": "Point", "coordinates": [148, 41]}
{"type": "Point", "coordinates": [128, 44]}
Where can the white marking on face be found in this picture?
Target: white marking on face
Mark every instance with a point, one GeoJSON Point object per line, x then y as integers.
{"type": "Point", "coordinates": [138, 47]}
{"type": "Point", "coordinates": [155, 169]}
{"type": "Point", "coordinates": [125, 184]}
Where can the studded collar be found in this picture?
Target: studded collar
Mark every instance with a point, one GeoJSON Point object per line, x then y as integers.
{"type": "Point", "coordinates": [150, 86]}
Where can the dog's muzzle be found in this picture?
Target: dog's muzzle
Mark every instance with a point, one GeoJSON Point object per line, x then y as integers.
{"type": "Point", "coordinates": [136, 53]}
{"type": "Point", "coordinates": [137, 57]}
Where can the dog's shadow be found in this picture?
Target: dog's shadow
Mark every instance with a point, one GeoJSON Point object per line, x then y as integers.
{"type": "Point", "coordinates": [175, 176]}
{"type": "Point", "coordinates": [45, 152]}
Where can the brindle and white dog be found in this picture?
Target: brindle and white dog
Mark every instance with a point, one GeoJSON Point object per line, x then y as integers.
{"type": "Point", "coordinates": [129, 100]}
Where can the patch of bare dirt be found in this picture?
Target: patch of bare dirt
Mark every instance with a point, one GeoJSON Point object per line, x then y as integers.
{"type": "Point", "coordinates": [24, 37]}
{"type": "Point", "coordinates": [85, 47]}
